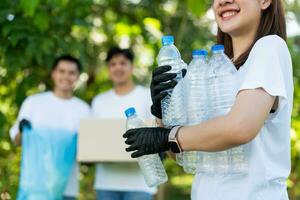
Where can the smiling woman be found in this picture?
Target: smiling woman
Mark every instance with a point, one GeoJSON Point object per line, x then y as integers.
{"type": "Point", "coordinates": [246, 23]}
{"type": "Point", "coordinates": [254, 34]}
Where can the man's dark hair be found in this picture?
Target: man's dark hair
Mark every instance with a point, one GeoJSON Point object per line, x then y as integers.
{"type": "Point", "coordinates": [67, 58]}
{"type": "Point", "coordinates": [118, 51]}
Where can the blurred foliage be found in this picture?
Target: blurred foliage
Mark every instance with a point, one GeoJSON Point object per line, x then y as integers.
{"type": "Point", "coordinates": [34, 32]}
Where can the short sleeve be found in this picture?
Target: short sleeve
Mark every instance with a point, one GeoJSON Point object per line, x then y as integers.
{"type": "Point", "coordinates": [266, 68]}
{"type": "Point", "coordinates": [24, 113]}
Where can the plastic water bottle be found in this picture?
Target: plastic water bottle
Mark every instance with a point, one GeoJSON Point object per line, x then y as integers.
{"type": "Point", "coordinates": [151, 165]}
{"type": "Point", "coordinates": [173, 105]}
{"type": "Point", "coordinates": [221, 93]}
{"type": "Point", "coordinates": [196, 88]}
{"type": "Point", "coordinates": [196, 101]}
{"type": "Point", "coordinates": [173, 111]}
{"type": "Point", "coordinates": [221, 98]}
{"type": "Point", "coordinates": [221, 82]}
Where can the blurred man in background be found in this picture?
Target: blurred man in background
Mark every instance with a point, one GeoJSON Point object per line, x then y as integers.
{"type": "Point", "coordinates": [121, 181]}
{"type": "Point", "coordinates": [57, 109]}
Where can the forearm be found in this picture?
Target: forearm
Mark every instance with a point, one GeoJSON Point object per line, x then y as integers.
{"type": "Point", "coordinates": [240, 126]}
{"type": "Point", "coordinates": [18, 139]}
{"type": "Point", "coordinates": [213, 135]}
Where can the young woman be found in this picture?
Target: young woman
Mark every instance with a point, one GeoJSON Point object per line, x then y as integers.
{"type": "Point", "coordinates": [254, 34]}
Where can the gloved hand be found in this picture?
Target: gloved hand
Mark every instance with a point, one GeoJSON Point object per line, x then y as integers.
{"type": "Point", "coordinates": [161, 81]}
{"type": "Point", "coordinates": [24, 123]}
{"type": "Point", "coordinates": [145, 141]}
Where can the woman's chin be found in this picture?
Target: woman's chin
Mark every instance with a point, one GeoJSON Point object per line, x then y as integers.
{"type": "Point", "coordinates": [230, 30]}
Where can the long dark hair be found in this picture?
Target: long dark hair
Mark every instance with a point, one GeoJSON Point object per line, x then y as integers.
{"type": "Point", "coordinates": [272, 22]}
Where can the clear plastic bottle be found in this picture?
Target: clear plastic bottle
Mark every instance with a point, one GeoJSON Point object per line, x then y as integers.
{"type": "Point", "coordinates": [225, 71]}
{"type": "Point", "coordinates": [196, 102]}
{"type": "Point", "coordinates": [173, 104]}
{"type": "Point", "coordinates": [221, 93]}
{"type": "Point", "coordinates": [151, 165]}
{"type": "Point", "coordinates": [222, 82]}
{"type": "Point", "coordinates": [196, 88]}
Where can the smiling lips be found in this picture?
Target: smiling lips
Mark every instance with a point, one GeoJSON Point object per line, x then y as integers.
{"type": "Point", "coordinates": [228, 14]}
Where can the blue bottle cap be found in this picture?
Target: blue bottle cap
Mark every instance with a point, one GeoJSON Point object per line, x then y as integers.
{"type": "Point", "coordinates": [130, 112]}
{"type": "Point", "coordinates": [199, 52]}
{"type": "Point", "coordinates": [217, 47]}
{"type": "Point", "coordinates": [167, 40]}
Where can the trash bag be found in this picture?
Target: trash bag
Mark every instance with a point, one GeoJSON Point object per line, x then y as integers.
{"type": "Point", "coordinates": [48, 156]}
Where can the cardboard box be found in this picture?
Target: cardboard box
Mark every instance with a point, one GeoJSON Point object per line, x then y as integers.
{"type": "Point", "coordinates": [100, 140]}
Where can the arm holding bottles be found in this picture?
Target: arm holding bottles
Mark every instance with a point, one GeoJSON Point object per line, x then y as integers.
{"type": "Point", "coordinates": [238, 127]}
{"type": "Point", "coordinates": [226, 131]}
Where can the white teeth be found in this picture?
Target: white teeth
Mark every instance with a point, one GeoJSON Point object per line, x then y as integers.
{"type": "Point", "coordinates": [229, 14]}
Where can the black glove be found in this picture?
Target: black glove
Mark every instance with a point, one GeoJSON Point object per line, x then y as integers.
{"type": "Point", "coordinates": [24, 123]}
{"type": "Point", "coordinates": [145, 141]}
{"type": "Point", "coordinates": [161, 81]}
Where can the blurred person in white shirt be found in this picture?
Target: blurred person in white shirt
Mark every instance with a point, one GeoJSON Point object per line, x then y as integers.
{"type": "Point", "coordinates": [56, 109]}
{"type": "Point", "coordinates": [121, 181]}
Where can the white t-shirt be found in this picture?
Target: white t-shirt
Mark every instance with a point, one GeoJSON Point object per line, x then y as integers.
{"type": "Point", "coordinates": [47, 110]}
{"type": "Point", "coordinates": [121, 176]}
{"type": "Point", "coordinates": [269, 67]}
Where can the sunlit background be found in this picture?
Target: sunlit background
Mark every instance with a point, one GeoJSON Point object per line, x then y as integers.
{"type": "Point", "coordinates": [33, 32]}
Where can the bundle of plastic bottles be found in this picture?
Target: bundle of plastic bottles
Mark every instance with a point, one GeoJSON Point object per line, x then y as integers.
{"type": "Point", "coordinates": [207, 91]}
{"type": "Point", "coordinates": [48, 156]}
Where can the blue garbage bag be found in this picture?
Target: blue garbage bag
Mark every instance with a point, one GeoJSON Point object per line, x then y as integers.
{"type": "Point", "coordinates": [48, 156]}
